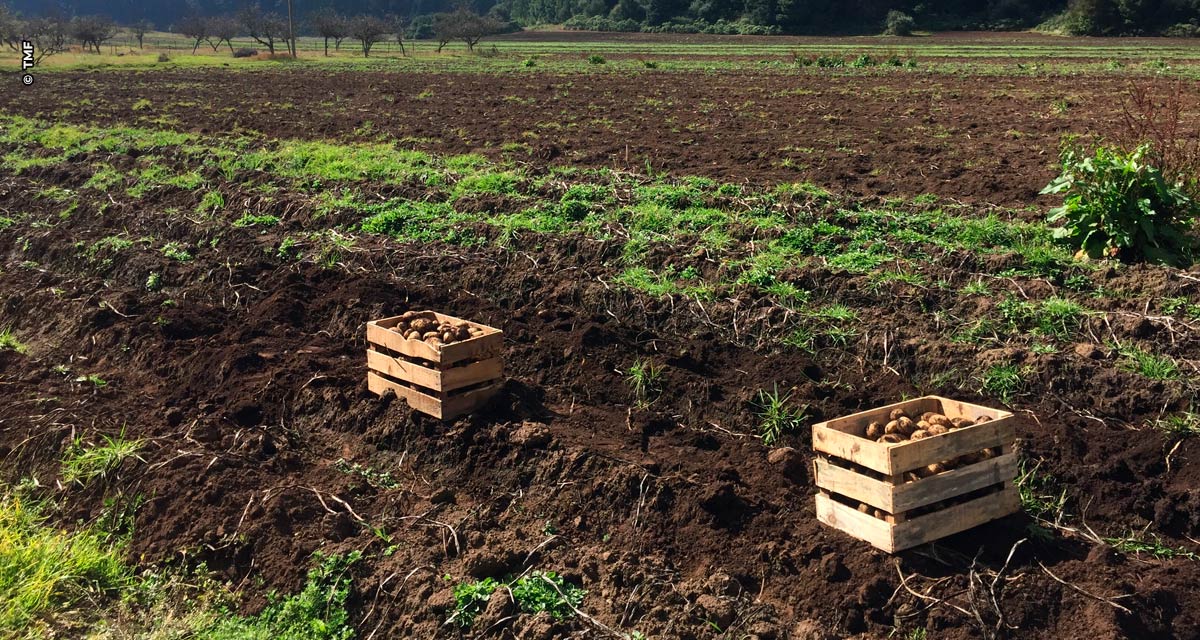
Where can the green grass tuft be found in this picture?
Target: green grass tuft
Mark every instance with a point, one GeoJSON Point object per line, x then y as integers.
{"type": "Point", "coordinates": [83, 463]}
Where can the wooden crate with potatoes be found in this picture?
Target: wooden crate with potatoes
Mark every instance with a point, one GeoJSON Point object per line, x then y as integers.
{"type": "Point", "coordinates": [913, 472]}
{"type": "Point", "coordinates": [441, 365]}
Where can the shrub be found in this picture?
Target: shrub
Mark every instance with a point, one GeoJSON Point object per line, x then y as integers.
{"type": "Point", "coordinates": [898, 23]}
{"type": "Point", "coordinates": [596, 59]}
{"type": "Point", "coordinates": [863, 61]}
{"type": "Point", "coordinates": [245, 52]}
{"type": "Point", "coordinates": [1117, 205]}
{"type": "Point", "coordinates": [1182, 30]}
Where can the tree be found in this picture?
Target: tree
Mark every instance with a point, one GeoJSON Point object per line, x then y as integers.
{"type": "Point", "coordinates": [330, 24]}
{"type": "Point", "coordinates": [139, 30]}
{"type": "Point", "coordinates": [398, 28]}
{"type": "Point", "coordinates": [92, 31]}
{"type": "Point", "coordinates": [898, 23]}
{"type": "Point", "coordinates": [47, 33]}
{"type": "Point", "coordinates": [267, 29]}
{"type": "Point", "coordinates": [368, 30]}
{"type": "Point", "coordinates": [10, 28]}
{"type": "Point", "coordinates": [627, 10]}
{"type": "Point", "coordinates": [194, 26]}
{"type": "Point", "coordinates": [468, 26]}
{"type": "Point", "coordinates": [222, 29]}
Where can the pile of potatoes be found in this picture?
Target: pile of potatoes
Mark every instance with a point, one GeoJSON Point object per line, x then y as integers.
{"type": "Point", "coordinates": [901, 427]}
{"type": "Point", "coordinates": [424, 326]}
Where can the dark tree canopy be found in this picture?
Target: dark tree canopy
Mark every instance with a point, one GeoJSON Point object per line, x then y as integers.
{"type": "Point", "coordinates": [1098, 17]}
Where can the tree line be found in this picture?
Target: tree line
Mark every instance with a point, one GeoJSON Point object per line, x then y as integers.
{"type": "Point", "coordinates": [381, 20]}
{"type": "Point", "coordinates": [53, 33]}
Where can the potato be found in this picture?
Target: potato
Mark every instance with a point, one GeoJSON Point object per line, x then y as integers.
{"type": "Point", "coordinates": [928, 414]}
{"type": "Point", "coordinates": [907, 426]}
{"type": "Point", "coordinates": [421, 324]}
{"type": "Point", "coordinates": [434, 341]}
{"type": "Point", "coordinates": [982, 419]}
{"type": "Point", "coordinates": [408, 315]}
{"type": "Point", "coordinates": [896, 414]}
{"type": "Point", "coordinates": [893, 427]}
{"type": "Point", "coordinates": [962, 422]}
{"type": "Point", "coordinates": [413, 335]}
{"type": "Point", "coordinates": [449, 336]}
{"type": "Point", "coordinates": [936, 468]}
{"type": "Point", "coordinates": [462, 333]}
{"type": "Point", "coordinates": [891, 438]}
{"type": "Point", "coordinates": [911, 476]}
{"type": "Point", "coordinates": [940, 419]}
{"type": "Point", "coordinates": [923, 425]}
{"type": "Point", "coordinates": [874, 430]}
{"type": "Point", "coordinates": [919, 434]}
{"type": "Point", "coordinates": [864, 507]}
{"type": "Point", "coordinates": [881, 514]}
{"type": "Point", "coordinates": [936, 429]}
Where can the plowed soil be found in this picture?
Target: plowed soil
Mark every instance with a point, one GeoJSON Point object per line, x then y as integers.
{"type": "Point", "coordinates": [977, 139]}
{"type": "Point", "coordinates": [245, 374]}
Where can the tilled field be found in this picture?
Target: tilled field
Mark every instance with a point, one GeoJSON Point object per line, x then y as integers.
{"type": "Point", "coordinates": [243, 368]}
{"type": "Point", "coordinates": [989, 139]}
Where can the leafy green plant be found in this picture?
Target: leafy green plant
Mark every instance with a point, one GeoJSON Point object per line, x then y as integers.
{"type": "Point", "coordinates": [777, 417]}
{"type": "Point", "coordinates": [317, 612]}
{"type": "Point", "coordinates": [96, 381]}
{"type": "Point", "coordinates": [547, 591]}
{"type": "Point", "coordinates": [863, 61]}
{"type": "Point", "coordinates": [1116, 205]}
{"type": "Point", "coordinates": [470, 598]}
{"type": "Point", "coordinates": [374, 477]}
{"type": "Point", "coordinates": [645, 378]}
{"type": "Point", "coordinates": [83, 463]}
{"type": "Point", "coordinates": [175, 251]}
{"type": "Point", "coordinates": [153, 281]}
{"type": "Point", "coordinates": [596, 59]}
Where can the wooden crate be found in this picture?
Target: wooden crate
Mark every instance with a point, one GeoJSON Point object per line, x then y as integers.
{"type": "Point", "coordinates": [444, 381]}
{"type": "Point", "coordinates": [851, 470]}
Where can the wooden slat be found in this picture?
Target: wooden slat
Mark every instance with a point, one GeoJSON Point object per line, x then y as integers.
{"type": "Point", "coordinates": [385, 337]}
{"type": "Point", "coordinates": [854, 485]}
{"type": "Point", "coordinates": [447, 380]}
{"type": "Point", "coordinates": [950, 484]}
{"type": "Point", "coordinates": [467, 402]}
{"type": "Point", "coordinates": [937, 525]}
{"type": "Point", "coordinates": [404, 370]}
{"type": "Point", "coordinates": [442, 409]}
{"type": "Point", "coordinates": [489, 344]}
{"type": "Point", "coordinates": [841, 436]}
{"type": "Point", "coordinates": [417, 400]}
{"type": "Point", "coordinates": [474, 373]}
{"type": "Point", "coordinates": [485, 346]}
{"type": "Point", "coordinates": [920, 453]}
{"type": "Point", "coordinates": [855, 523]}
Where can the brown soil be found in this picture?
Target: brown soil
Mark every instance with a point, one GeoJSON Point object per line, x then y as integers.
{"type": "Point", "coordinates": [977, 139]}
{"type": "Point", "coordinates": [249, 385]}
